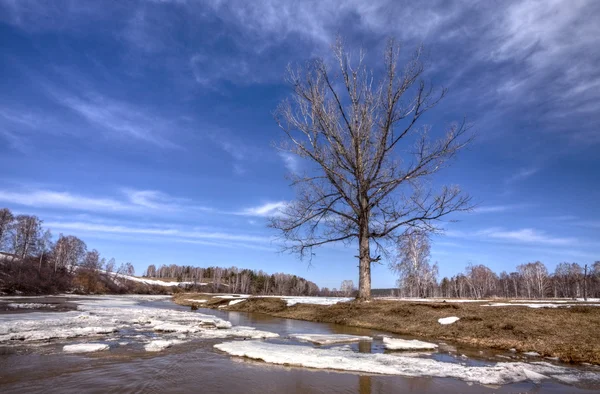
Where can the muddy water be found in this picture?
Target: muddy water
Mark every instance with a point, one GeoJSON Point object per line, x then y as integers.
{"type": "Point", "coordinates": [197, 367]}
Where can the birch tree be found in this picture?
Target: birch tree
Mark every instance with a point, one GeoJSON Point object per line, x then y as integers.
{"type": "Point", "coordinates": [371, 155]}
{"type": "Point", "coordinates": [6, 219]}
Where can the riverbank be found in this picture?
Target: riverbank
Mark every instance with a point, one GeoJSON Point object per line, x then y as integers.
{"type": "Point", "coordinates": [570, 334]}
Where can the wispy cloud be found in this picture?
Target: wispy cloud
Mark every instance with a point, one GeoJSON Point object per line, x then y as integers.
{"type": "Point", "coordinates": [519, 236]}
{"type": "Point", "coordinates": [265, 210]}
{"type": "Point", "coordinates": [497, 208]}
{"type": "Point", "coordinates": [522, 174]}
{"type": "Point", "coordinates": [119, 119]}
{"type": "Point", "coordinates": [221, 239]}
{"type": "Point", "coordinates": [135, 201]}
{"type": "Point", "coordinates": [291, 161]}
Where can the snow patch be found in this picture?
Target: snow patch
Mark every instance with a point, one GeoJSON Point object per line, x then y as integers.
{"type": "Point", "coordinates": [448, 320]}
{"type": "Point", "coordinates": [404, 344]}
{"type": "Point", "coordinates": [233, 302]}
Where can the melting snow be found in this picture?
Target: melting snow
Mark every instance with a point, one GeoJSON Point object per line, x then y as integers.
{"type": "Point", "coordinates": [338, 359]}
{"type": "Point", "coordinates": [233, 302]}
{"type": "Point", "coordinates": [85, 348]}
{"type": "Point", "coordinates": [403, 344]}
{"type": "Point", "coordinates": [329, 339]}
{"type": "Point", "coordinates": [448, 320]}
{"type": "Point", "coordinates": [106, 315]}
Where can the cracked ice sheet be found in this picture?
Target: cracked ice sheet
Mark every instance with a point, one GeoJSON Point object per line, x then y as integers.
{"type": "Point", "coordinates": [343, 360]}
{"type": "Point", "coordinates": [329, 339]}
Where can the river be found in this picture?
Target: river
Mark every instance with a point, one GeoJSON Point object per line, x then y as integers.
{"type": "Point", "coordinates": [195, 366]}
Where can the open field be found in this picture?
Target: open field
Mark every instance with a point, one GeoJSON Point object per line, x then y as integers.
{"type": "Point", "coordinates": [566, 329]}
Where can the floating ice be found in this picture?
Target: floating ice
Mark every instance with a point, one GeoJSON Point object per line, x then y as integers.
{"type": "Point", "coordinates": [30, 305]}
{"type": "Point", "coordinates": [448, 320]}
{"type": "Point", "coordinates": [85, 348]}
{"type": "Point", "coordinates": [329, 339]}
{"type": "Point", "coordinates": [332, 358]}
{"type": "Point", "coordinates": [158, 345]}
{"type": "Point", "coordinates": [404, 344]}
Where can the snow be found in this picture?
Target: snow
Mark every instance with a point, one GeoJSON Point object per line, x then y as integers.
{"type": "Point", "coordinates": [30, 305]}
{"type": "Point", "coordinates": [233, 302]}
{"type": "Point", "coordinates": [315, 300]}
{"type": "Point", "coordinates": [390, 364]}
{"type": "Point", "coordinates": [531, 354]}
{"type": "Point", "coordinates": [158, 345]}
{"type": "Point", "coordinates": [404, 344]}
{"type": "Point", "coordinates": [85, 348]}
{"type": "Point", "coordinates": [198, 301]}
{"type": "Point", "coordinates": [103, 315]}
{"type": "Point", "coordinates": [329, 339]}
{"type": "Point", "coordinates": [450, 300]}
{"type": "Point", "coordinates": [448, 320]}
{"type": "Point", "coordinates": [537, 304]}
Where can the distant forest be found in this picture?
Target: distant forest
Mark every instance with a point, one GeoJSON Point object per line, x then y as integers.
{"type": "Point", "coordinates": [32, 262]}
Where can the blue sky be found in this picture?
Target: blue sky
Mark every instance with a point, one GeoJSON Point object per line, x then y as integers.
{"type": "Point", "coordinates": [146, 128]}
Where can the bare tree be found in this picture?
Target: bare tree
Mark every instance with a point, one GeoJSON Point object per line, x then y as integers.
{"type": "Point", "coordinates": [26, 234]}
{"type": "Point", "coordinates": [347, 287]}
{"type": "Point", "coordinates": [68, 252]}
{"type": "Point", "coordinates": [6, 219]}
{"type": "Point", "coordinates": [370, 154]}
{"type": "Point", "coordinates": [415, 273]}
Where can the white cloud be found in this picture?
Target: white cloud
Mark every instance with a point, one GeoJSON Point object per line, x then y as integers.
{"type": "Point", "coordinates": [519, 236]}
{"type": "Point", "coordinates": [268, 209]}
{"type": "Point", "coordinates": [527, 235]}
{"type": "Point", "coordinates": [291, 161]}
{"type": "Point", "coordinates": [496, 208]}
{"type": "Point", "coordinates": [210, 238]}
{"type": "Point", "coordinates": [135, 201]}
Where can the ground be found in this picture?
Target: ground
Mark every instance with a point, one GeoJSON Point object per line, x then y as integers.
{"type": "Point", "coordinates": [569, 332]}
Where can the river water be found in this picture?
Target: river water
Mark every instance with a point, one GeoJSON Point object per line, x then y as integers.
{"type": "Point", "coordinates": [195, 366]}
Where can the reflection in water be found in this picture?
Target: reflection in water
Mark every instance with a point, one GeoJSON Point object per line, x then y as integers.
{"type": "Point", "coordinates": [364, 384]}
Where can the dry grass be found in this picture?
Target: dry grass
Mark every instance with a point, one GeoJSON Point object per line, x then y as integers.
{"type": "Point", "coordinates": [572, 334]}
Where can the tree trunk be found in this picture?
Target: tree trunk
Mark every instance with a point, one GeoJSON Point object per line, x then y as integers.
{"type": "Point", "coordinates": [364, 254]}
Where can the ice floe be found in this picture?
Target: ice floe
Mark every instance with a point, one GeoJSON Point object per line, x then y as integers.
{"type": "Point", "coordinates": [30, 305]}
{"type": "Point", "coordinates": [161, 344]}
{"type": "Point", "coordinates": [388, 364]}
{"type": "Point", "coordinates": [85, 348]}
{"type": "Point", "coordinates": [329, 339]}
{"type": "Point", "coordinates": [405, 344]}
{"type": "Point", "coordinates": [448, 320]}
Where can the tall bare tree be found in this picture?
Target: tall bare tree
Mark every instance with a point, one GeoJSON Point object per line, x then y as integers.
{"type": "Point", "coordinates": [416, 274]}
{"type": "Point", "coordinates": [26, 234]}
{"type": "Point", "coordinates": [370, 153]}
{"type": "Point", "coordinates": [6, 220]}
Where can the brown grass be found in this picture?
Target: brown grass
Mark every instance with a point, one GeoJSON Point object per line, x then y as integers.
{"type": "Point", "coordinates": [572, 334]}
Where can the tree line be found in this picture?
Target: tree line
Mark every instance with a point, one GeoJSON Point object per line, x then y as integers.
{"type": "Point", "coordinates": [235, 280]}
{"type": "Point", "coordinates": [32, 262]}
{"type": "Point", "coordinates": [417, 277]}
